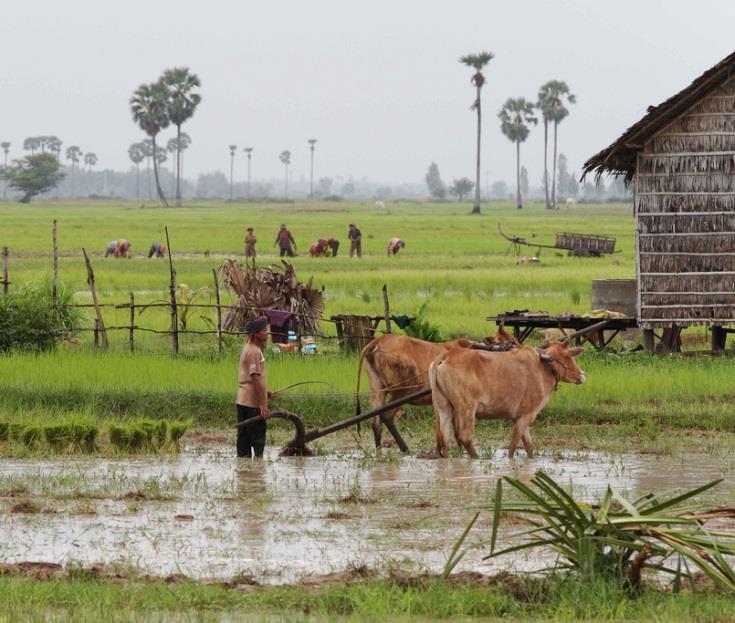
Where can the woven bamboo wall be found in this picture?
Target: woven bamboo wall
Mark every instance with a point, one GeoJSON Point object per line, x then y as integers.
{"type": "Point", "coordinates": [685, 214]}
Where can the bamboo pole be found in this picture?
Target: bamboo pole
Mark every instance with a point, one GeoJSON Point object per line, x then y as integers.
{"type": "Point", "coordinates": [100, 325]}
{"type": "Point", "coordinates": [132, 322]}
{"type": "Point", "coordinates": [172, 294]}
{"type": "Point", "coordinates": [219, 310]}
{"type": "Point", "coordinates": [387, 309]}
{"type": "Point", "coordinates": [6, 283]}
{"type": "Point", "coordinates": [55, 273]}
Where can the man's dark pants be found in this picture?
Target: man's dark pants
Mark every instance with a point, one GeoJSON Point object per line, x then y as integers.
{"type": "Point", "coordinates": [251, 437]}
{"type": "Point", "coordinates": [287, 251]}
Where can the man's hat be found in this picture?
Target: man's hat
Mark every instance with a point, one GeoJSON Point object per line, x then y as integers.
{"type": "Point", "coordinates": [250, 229]}
{"type": "Point", "coordinates": [283, 225]}
{"type": "Point", "coordinates": [257, 324]}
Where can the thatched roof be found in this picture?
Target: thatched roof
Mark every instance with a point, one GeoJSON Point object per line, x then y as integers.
{"type": "Point", "coordinates": [620, 157]}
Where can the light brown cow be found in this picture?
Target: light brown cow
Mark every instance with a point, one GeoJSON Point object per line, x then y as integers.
{"type": "Point", "coordinates": [397, 365]}
{"type": "Point", "coordinates": [516, 385]}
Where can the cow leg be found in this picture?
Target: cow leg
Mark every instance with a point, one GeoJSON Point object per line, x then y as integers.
{"type": "Point", "coordinates": [527, 443]}
{"type": "Point", "coordinates": [377, 399]}
{"type": "Point", "coordinates": [520, 431]}
{"type": "Point", "coordinates": [464, 427]}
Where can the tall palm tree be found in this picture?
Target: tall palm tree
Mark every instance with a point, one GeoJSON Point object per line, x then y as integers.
{"type": "Point", "coordinates": [73, 153]}
{"type": "Point", "coordinates": [147, 145]}
{"type": "Point", "coordinates": [181, 104]}
{"type": "Point", "coordinates": [6, 150]}
{"type": "Point", "coordinates": [285, 158]}
{"type": "Point", "coordinates": [148, 105]}
{"type": "Point", "coordinates": [477, 62]}
{"type": "Point", "coordinates": [515, 117]}
{"type": "Point", "coordinates": [90, 159]}
{"type": "Point", "coordinates": [249, 152]}
{"type": "Point", "coordinates": [137, 154]}
{"type": "Point", "coordinates": [312, 142]}
{"type": "Point", "coordinates": [551, 100]}
{"type": "Point", "coordinates": [233, 149]}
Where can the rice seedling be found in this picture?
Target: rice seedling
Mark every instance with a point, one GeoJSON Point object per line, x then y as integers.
{"type": "Point", "coordinates": [3, 431]}
{"type": "Point", "coordinates": [177, 430]}
{"type": "Point", "coordinates": [31, 436]}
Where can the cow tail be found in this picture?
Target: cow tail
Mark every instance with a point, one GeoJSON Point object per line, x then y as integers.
{"type": "Point", "coordinates": [363, 354]}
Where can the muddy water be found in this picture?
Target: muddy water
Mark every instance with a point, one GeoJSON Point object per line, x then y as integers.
{"type": "Point", "coordinates": [203, 513]}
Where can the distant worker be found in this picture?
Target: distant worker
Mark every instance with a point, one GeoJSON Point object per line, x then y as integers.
{"type": "Point", "coordinates": [118, 248]}
{"type": "Point", "coordinates": [252, 393]}
{"type": "Point", "coordinates": [111, 246]}
{"type": "Point", "coordinates": [122, 248]}
{"type": "Point", "coordinates": [158, 249]}
{"type": "Point", "coordinates": [394, 246]}
{"type": "Point", "coordinates": [250, 241]}
{"type": "Point", "coordinates": [355, 236]}
{"type": "Point", "coordinates": [285, 241]}
{"type": "Point", "coordinates": [319, 248]}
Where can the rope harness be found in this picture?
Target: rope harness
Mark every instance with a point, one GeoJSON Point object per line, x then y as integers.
{"type": "Point", "coordinates": [549, 362]}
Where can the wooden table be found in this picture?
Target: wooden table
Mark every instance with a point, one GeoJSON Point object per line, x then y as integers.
{"type": "Point", "coordinates": [524, 324]}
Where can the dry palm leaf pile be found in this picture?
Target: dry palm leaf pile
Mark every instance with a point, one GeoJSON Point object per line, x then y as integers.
{"type": "Point", "coordinates": [270, 287]}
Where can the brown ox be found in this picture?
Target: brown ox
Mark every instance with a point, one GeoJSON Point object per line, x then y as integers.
{"type": "Point", "coordinates": [397, 365]}
{"type": "Point", "coordinates": [469, 384]}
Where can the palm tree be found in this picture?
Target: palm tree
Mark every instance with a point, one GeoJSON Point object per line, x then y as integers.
{"type": "Point", "coordinates": [312, 142]}
{"type": "Point", "coordinates": [181, 104]}
{"type": "Point", "coordinates": [515, 117]}
{"type": "Point", "coordinates": [233, 149]}
{"type": "Point", "coordinates": [32, 143]}
{"type": "Point", "coordinates": [6, 150]}
{"type": "Point", "coordinates": [148, 105]}
{"type": "Point", "coordinates": [285, 158]}
{"type": "Point", "coordinates": [90, 159]}
{"type": "Point", "coordinates": [54, 144]}
{"type": "Point", "coordinates": [551, 98]}
{"type": "Point", "coordinates": [249, 152]}
{"type": "Point", "coordinates": [137, 153]}
{"type": "Point", "coordinates": [74, 154]}
{"type": "Point", "coordinates": [477, 62]}
{"type": "Point", "coordinates": [172, 147]}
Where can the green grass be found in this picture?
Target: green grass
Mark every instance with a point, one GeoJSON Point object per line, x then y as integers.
{"type": "Point", "coordinates": [453, 261]}
{"type": "Point", "coordinates": [398, 599]}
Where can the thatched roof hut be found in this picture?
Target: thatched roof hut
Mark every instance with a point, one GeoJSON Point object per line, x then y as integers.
{"type": "Point", "coordinates": [681, 159]}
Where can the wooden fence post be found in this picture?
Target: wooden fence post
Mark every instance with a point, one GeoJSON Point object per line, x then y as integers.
{"type": "Point", "coordinates": [172, 294]}
{"type": "Point", "coordinates": [219, 310]}
{"type": "Point", "coordinates": [132, 322]}
{"type": "Point", "coordinates": [99, 325]}
{"type": "Point", "coordinates": [6, 283]}
{"type": "Point", "coordinates": [387, 309]}
{"type": "Point", "coordinates": [55, 273]}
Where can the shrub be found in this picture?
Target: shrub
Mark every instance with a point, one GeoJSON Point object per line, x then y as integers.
{"type": "Point", "coordinates": [422, 329]}
{"type": "Point", "coordinates": [29, 322]}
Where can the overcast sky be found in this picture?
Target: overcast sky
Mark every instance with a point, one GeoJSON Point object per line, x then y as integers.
{"type": "Point", "coordinates": [377, 83]}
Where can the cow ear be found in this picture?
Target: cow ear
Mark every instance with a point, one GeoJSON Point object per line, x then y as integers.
{"type": "Point", "coordinates": [546, 358]}
{"type": "Point", "coordinates": [573, 352]}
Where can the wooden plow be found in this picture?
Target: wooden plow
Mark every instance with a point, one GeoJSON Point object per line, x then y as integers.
{"type": "Point", "coordinates": [297, 446]}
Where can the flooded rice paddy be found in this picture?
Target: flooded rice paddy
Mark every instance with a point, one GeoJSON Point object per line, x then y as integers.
{"type": "Point", "coordinates": [205, 514]}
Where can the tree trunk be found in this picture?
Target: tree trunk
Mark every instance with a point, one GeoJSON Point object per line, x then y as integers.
{"type": "Point", "coordinates": [519, 202]}
{"type": "Point", "coordinates": [248, 177]}
{"type": "Point", "coordinates": [178, 166]}
{"type": "Point", "coordinates": [311, 177]}
{"type": "Point", "coordinates": [148, 169]}
{"type": "Point", "coordinates": [546, 162]}
{"type": "Point", "coordinates": [553, 179]}
{"type": "Point", "coordinates": [72, 179]}
{"type": "Point", "coordinates": [161, 196]}
{"type": "Point", "coordinates": [285, 183]}
{"type": "Point", "coordinates": [137, 181]}
{"type": "Point", "coordinates": [476, 206]}
{"type": "Point", "coordinates": [232, 170]}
